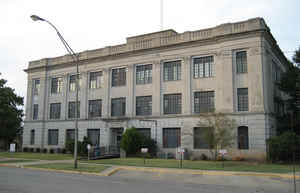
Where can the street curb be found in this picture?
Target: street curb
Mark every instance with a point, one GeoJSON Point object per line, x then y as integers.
{"type": "Point", "coordinates": [206, 172]}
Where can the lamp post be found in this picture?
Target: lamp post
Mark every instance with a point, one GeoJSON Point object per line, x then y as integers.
{"type": "Point", "coordinates": [76, 60]}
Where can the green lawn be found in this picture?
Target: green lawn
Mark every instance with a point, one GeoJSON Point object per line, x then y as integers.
{"type": "Point", "coordinates": [14, 161]}
{"type": "Point", "coordinates": [70, 167]}
{"type": "Point", "coordinates": [40, 156]}
{"type": "Point", "coordinates": [201, 165]}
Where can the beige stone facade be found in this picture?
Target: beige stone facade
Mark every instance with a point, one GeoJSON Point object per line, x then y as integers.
{"type": "Point", "coordinates": [223, 42]}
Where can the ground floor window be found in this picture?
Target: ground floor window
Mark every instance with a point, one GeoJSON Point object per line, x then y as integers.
{"type": "Point", "coordinates": [200, 142]}
{"type": "Point", "coordinates": [32, 135]}
{"type": "Point", "coordinates": [94, 136]}
{"type": "Point", "coordinates": [243, 138]}
{"type": "Point", "coordinates": [53, 137]}
{"type": "Point", "coordinates": [145, 132]}
{"type": "Point", "coordinates": [171, 137]}
{"type": "Point", "coordinates": [70, 134]}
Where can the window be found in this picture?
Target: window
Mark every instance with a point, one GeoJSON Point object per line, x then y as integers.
{"type": "Point", "coordinates": [72, 112]}
{"type": "Point", "coordinates": [32, 135]}
{"type": "Point", "coordinates": [72, 83]}
{"type": "Point", "coordinates": [36, 87]}
{"type": "Point", "coordinates": [119, 77]}
{"type": "Point", "coordinates": [146, 132]}
{"type": "Point", "coordinates": [171, 137]}
{"type": "Point", "coordinates": [94, 136]}
{"type": "Point", "coordinates": [144, 74]}
{"type": "Point", "coordinates": [96, 79]}
{"type": "Point", "coordinates": [95, 108]}
{"type": "Point", "coordinates": [204, 101]}
{"type": "Point", "coordinates": [35, 112]}
{"type": "Point", "coordinates": [243, 138]}
{"type": "Point", "coordinates": [199, 138]}
{"type": "Point", "coordinates": [241, 62]}
{"type": "Point", "coordinates": [172, 70]}
{"type": "Point", "coordinates": [53, 137]}
{"type": "Point", "coordinates": [144, 105]}
{"type": "Point", "coordinates": [56, 85]}
{"type": "Point", "coordinates": [118, 106]}
{"type": "Point", "coordinates": [242, 94]}
{"type": "Point", "coordinates": [70, 135]}
{"type": "Point", "coordinates": [172, 104]}
{"type": "Point", "coordinates": [55, 111]}
{"type": "Point", "coordinates": [204, 67]}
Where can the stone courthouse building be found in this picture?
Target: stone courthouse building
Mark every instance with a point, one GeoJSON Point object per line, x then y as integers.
{"type": "Point", "coordinates": [166, 77]}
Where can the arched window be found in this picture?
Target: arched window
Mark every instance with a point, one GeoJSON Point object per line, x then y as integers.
{"type": "Point", "coordinates": [243, 138]}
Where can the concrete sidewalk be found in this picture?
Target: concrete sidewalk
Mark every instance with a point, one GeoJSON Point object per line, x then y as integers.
{"type": "Point", "coordinates": [115, 168]}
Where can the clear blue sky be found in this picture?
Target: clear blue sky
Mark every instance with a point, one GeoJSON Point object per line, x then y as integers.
{"type": "Point", "coordinates": [92, 24]}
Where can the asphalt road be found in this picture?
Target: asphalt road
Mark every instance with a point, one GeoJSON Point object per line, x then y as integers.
{"type": "Point", "coordinates": [17, 180]}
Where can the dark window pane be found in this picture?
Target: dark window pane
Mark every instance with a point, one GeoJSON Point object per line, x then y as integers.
{"type": "Point", "coordinates": [32, 136]}
{"type": "Point", "coordinates": [70, 135]}
{"type": "Point", "coordinates": [241, 62]}
{"type": "Point", "coordinates": [35, 111]}
{"type": "Point", "coordinates": [172, 70]}
{"type": "Point", "coordinates": [243, 138]}
{"type": "Point", "coordinates": [119, 77]}
{"type": "Point", "coordinates": [203, 67]}
{"type": "Point", "coordinates": [55, 111]}
{"type": "Point", "coordinates": [53, 137]}
{"type": "Point", "coordinates": [56, 85]}
{"type": "Point", "coordinates": [96, 79]}
{"type": "Point", "coordinates": [204, 101]}
{"type": "Point", "coordinates": [95, 108]}
{"type": "Point", "coordinates": [144, 74]}
{"type": "Point", "coordinates": [171, 137]}
{"type": "Point", "coordinates": [94, 136]}
{"type": "Point", "coordinates": [199, 139]}
{"type": "Point", "coordinates": [72, 83]}
{"type": "Point", "coordinates": [144, 105]}
{"type": "Point", "coordinates": [242, 97]}
{"type": "Point", "coordinates": [172, 104]}
{"type": "Point", "coordinates": [71, 113]}
{"type": "Point", "coordinates": [36, 87]}
{"type": "Point", "coordinates": [118, 106]}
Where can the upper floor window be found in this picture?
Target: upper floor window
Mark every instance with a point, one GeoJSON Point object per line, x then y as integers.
{"type": "Point", "coordinates": [36, 86]}
{"type": "Point", "coordinates": [144, 105]}
{"type": "Point", "coordinates": [242, 96]}
{"type": "Point", "coordinates": [204, 101]}
{"type": "Point", "coordinates": [35, 112]}
{"type": "Point", "coordinates": [55, 111]}
{"type": "Point", "coordinates": [72, 82]}
{"type": "Point", "coordinates": [118, 77]}
{"type": "Point", "coordinates": [118, 106]}
{"type": "Point", "coordinates": [56, 85]}
{"type": "Point", "coordinates": [95, 107]}
{"type": "Point", "coordinates": [172, 70]}
{"type": "Point", "coordinates": [72, 111]}
{"type": "Point", "coordinates": [241, 62]}
{"type": "Point", "coordinates": [172, 104]}
{"type": "Point", "coordinates": [96, 79]}
{"type": "Point", "coordinates": [203, 67]}
{"type": "Point", "coordinates": [144, 74]}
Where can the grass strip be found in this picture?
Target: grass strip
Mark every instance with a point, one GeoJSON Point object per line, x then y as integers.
{"type": "Point", "coordinates": [235, 166]}
{"type": "Point", "coordinates": [14, 161]}
{"type": "Point", "coordinates": [70, 167]}
{"type": "Point", "coordinates": [40, 156]}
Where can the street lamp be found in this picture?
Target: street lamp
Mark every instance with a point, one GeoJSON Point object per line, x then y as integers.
{"type": "Point", "coordinates": [76, 60]}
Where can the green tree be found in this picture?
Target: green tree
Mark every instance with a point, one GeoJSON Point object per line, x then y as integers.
{"type": "Point", "coordinates": [218, 131]}
{"type": "Point", "coordinates": [10, 113]}
{"type": "Point", "coordinates": [131, 141]}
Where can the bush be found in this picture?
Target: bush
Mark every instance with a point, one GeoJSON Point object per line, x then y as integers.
{"type": "Point", "coordinates": [52, 150]}
{"type": "Point", "coordinates": [150, 144]}
{"type": "Point", "coordinates": [238, 158]}
{"type": "Point", "coordinates": [45, 150]}
{"type": "Point", "coordinates": [203, 157]}
{"type": "Point", "coordinates": [131, 141]}
{"type": "Point", "coordinates": [63, 150]}
{"type": "Point", "coordinates": [38, 150]}
{"type": "Point", "coordinates": [280, 148]}
{"type": "Point", "coordinates": [25, 149]}
{"type": "Point", "coordinates": [81, 146]}
{"type": "Point", "coordinates": [58, 150]}
{"type": "Point", "coordinates": [31, 149]}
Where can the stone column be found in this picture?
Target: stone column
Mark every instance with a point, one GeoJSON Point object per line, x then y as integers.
{"type": "Point", "coordinates": [156, 86]}
{"type": "Point", "coordinates": [187, 75]}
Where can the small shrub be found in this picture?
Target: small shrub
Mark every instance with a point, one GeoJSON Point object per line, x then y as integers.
{"type": "Point", "coordinates": [31, 149]}
{"type": "Point", "coordinates": [150, 144]}
{"type": "Point", "coordinates": [45, 150]}
{"type": "Point", "coordinates": [25, 149]}
{"type": "Point", "coordinates": [37, 150]}
{"type": "Point", "coordinates": [203, 157]}
{"type": "Point", "coordinates": [63, 150]}
{"type": "Point", "coordinates": [131, 141]}
{"type": "Point", "coordinates": [58, 150]}
{"type": "Point", "coordinates": [238, 158]}
{"type": "Point", "coordinates": [221, 158]}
